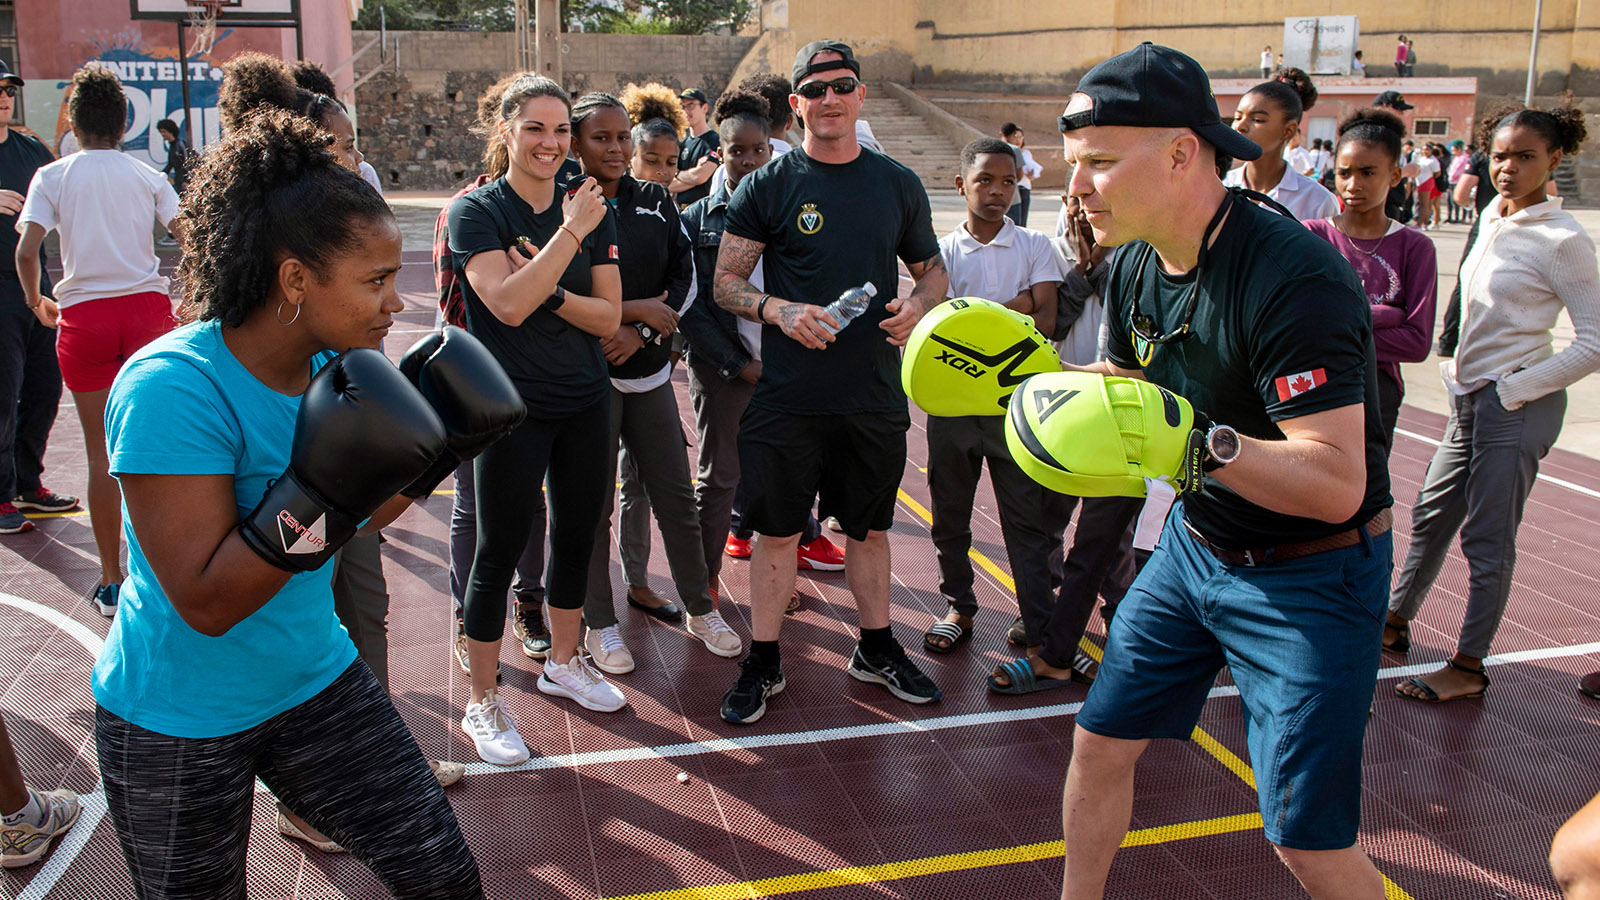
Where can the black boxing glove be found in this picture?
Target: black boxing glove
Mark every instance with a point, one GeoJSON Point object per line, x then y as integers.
{"type": "Point", "coordinates": [471, 393]}
{"type": "Point", "coordinates": [362, 434]}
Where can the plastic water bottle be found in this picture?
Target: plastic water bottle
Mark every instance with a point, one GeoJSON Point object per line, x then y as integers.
{"type": "Point", "coordinates": [850, 304]}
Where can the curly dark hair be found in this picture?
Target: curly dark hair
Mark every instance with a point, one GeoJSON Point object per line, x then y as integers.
{"type": "Point", "coordinates": [98, 106]}
{"type": "Point", "coordinates": [1489, 123]}
{"type": "Point", "coordinates": [313, 78]}
{"type": "Point", "coordinates": [776, 89]}
{"type": "Point", "coordinates": [1291, 89]}
{"type": "Point", "coordinates": [271, 190]}
{"type": "Point", "coordinates": [1562, 128]}
{"type": "Point", "coordinates": [251, 81]}
{"type": "Point", "coordinates": [1374, 125]}
{"type": "Point", "coordinates": [735, 102]}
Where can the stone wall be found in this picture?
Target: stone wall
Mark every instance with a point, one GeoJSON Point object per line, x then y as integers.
{"type": "Point", "coordinates": [414, 116]}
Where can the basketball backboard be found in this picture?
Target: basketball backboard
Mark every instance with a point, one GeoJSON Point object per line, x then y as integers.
{"type": "Point", "coordinates": [258, 11]}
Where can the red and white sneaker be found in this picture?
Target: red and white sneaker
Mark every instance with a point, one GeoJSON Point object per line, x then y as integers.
{"type": "Point", "coordinates": [821, 554]}
{"type": "Point", "coordinates": [737, 547]}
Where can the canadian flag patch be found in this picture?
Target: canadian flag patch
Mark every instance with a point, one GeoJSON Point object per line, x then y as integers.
{"type": "Point", "coordinates": [1291, 386]}
{"type": "Point", "coordinates": [611, 250]}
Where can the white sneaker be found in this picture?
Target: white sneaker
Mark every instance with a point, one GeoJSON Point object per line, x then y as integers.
{"type": "Point", "coordinates": [714, 632]}
{"type": "Point", "coordinates": [578, 681]}
{"type": "Point", "coordinates": [610, 654]}
{"type": "Point", "coordinates": [494, 732]}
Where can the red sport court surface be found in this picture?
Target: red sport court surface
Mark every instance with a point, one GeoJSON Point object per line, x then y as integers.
{"type": "Point", "coordinates": [842, 791]}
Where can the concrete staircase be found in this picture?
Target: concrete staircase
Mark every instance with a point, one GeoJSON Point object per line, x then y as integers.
{"type": "Point", "coordinates": [912, 142]}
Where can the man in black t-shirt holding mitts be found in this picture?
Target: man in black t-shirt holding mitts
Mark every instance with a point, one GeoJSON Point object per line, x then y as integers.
{"type": "Point", "coordinates": [1279, 567]}
{"type": "Point", "coordinates": [828, 420]}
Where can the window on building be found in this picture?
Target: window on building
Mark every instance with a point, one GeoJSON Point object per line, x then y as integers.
{"type": "Point", "coordinates": [8, 51]}
{"type": "Point", "coordinates": [1430, 127]}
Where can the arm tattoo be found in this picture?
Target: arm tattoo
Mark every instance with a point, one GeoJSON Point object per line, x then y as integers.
{"type": "Point", "coordinates": [932, 282]}
{"type": "Point", "coordinates": [731, 286]}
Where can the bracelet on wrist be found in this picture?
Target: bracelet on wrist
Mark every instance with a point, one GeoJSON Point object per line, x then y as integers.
{"type": "Point", "coordinates": [572, 234]}
{"type": "Point", "coordinates": [761, 308]}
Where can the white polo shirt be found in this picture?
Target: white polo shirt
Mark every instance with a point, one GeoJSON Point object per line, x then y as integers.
{"type": "Point", "coordinates": [1016, 260]}
{"type": "Point", "coordinates": [1302, 196]}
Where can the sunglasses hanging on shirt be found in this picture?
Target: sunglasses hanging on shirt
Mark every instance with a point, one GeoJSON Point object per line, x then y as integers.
{"type": "Point", "coordinates": [813, 90]}
{"type": "Point", "coordinates": [1142, 328]}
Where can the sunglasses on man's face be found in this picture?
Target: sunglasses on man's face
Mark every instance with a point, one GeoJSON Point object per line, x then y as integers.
{"type": "Point", "coordinates": [10, 90]}
{"type": "Point", "coordinates": [814, 90]}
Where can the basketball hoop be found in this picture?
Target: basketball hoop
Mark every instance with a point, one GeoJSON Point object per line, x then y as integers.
{"type": "Point", "coordinates": [203, 19]}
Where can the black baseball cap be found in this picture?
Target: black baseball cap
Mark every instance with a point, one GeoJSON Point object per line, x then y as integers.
{"type": "Point", "coordinates": [1393, 100]}
{"type": "Point", "coordinates": [693, 94]}
{"type": "Point", "coordinates": [1152, 86]}
{"type": "Point", "coordinates": [6, 74]}
{"type": "Point", "coordinates": [803, 65]}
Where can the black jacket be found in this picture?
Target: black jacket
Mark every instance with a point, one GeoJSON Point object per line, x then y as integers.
{"type": "Point", "coordinates": [654, 255]}
{"type": "Point", "coordinates": [711, 331]}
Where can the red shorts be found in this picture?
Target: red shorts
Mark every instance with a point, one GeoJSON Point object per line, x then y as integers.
{"type": "Point", "coordinates": [1428, 189]}
{"type": "Point", "coordinates": [96, 337]}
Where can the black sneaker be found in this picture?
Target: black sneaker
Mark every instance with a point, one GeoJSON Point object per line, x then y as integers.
{"type": "Point", "coordinates": [461, 654]}
{"type": "Point", "coordinates": [896, 672]}
{"type": "Point", "coordinates": [12, 521]}
{"type": "Point", "coordinates": [45, 500]}
{"type": "Point", "coordinates": [105, 599]}
{"type": "Point", "coordinates": [746, 702]}
{"type": "Point", "coordinates": [528, 626]}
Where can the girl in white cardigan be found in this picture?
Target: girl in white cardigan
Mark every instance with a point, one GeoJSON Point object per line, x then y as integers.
{"type": "Point", "coordinates": [1508, 391]}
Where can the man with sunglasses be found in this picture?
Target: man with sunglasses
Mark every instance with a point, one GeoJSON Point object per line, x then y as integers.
{"type": "Point", "coordinates": [828, 418]}
{"type": "Point", "coordinates": [1279, 567]}
{"type": "Point", "coordinates": [30, 376]}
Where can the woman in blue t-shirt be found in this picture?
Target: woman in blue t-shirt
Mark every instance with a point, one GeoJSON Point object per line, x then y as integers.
{"type": "Point", "coordinates": [233, 438]}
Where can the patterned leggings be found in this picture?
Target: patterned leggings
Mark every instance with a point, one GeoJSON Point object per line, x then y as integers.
{"type": "Point", "coordinates": [342, 760]}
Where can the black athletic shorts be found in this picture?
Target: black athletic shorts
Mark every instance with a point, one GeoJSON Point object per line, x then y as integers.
{"type": "Point", "coordinates": [850, 462]}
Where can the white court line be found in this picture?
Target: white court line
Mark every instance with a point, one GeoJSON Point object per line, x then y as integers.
{"type": "Point", "coordinates": [92, 806]}
{"type": "Point", "coordinates": [94, 803]}
{"type": "Point", "coordinates": [1559, 482]}
{"type": "Point", "coordinates": [939, 723]}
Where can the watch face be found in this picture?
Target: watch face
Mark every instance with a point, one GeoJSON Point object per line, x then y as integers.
{"type": "Point", "coordinates": [1224, 444]}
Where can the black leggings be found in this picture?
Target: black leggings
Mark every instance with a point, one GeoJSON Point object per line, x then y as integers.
{"type": "Point", "coordinates": [507, 479]}
{"type": "Point", "coordinates": [342, 760]}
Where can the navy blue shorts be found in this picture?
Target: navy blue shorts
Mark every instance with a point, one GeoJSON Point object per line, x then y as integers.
{"type": "Point", "coordinates": [1302, 640]}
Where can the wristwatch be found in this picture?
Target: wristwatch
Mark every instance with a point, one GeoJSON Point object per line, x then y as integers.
{"type": "Point", "coordinates": [556, 298]}
{"type": "Point", "coordinates": [1222, 447]}
{"type": "Point", "coordinates": [646, 333]}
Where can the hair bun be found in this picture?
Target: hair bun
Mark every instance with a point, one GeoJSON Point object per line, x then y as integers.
{"type": "Point", "coordinates": [1300, 81]}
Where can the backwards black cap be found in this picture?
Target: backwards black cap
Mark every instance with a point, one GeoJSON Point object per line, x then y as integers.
{"type": "Point", "coordinates": [1152, 86]}
{"type": "Point", "coordinates": [1392, 100]}
{"type": "Point", "coordinates": [803, 65]}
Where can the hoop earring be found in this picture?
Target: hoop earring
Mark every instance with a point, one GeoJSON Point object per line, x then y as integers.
{"type": "Point", "coordinates": [279, 314]}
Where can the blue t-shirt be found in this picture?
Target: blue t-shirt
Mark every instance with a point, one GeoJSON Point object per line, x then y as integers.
{"type": "Point", "coordinates": [184, 405]}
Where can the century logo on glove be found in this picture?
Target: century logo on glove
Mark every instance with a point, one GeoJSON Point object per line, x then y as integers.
{"type": "Point", "coordinates": [298, 538]}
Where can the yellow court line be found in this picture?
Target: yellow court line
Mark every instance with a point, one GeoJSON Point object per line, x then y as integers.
{"type": "Point", "coordinates": [935, 865]}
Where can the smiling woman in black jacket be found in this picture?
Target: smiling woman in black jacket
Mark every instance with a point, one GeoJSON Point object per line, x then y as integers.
{"type": "Point", "coordinates": [658, 285]}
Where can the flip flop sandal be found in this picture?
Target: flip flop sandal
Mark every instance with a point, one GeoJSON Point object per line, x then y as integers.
{"type": "Point", "coordinates": [1022, 679]}
{"type": "Point", "coordinates": [1402, 638]}
{"type": "Point", "coordinates": [794, 603]}
{"type": "Point", "coordinates": [1018, 634]}
{"type": "Point", "coordinates": [952, 633]}
{"type": "Point", "coordinates": [1429, 695]}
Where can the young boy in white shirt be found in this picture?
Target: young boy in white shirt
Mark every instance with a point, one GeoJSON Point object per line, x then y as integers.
{"type": "Point", "coordinates": [988, 256]}
{"type": "Point", "coordinates": [112, 298]}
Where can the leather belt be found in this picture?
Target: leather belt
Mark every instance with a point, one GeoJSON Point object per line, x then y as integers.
{"type": "Point", "coordinates": [1375, 526]}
